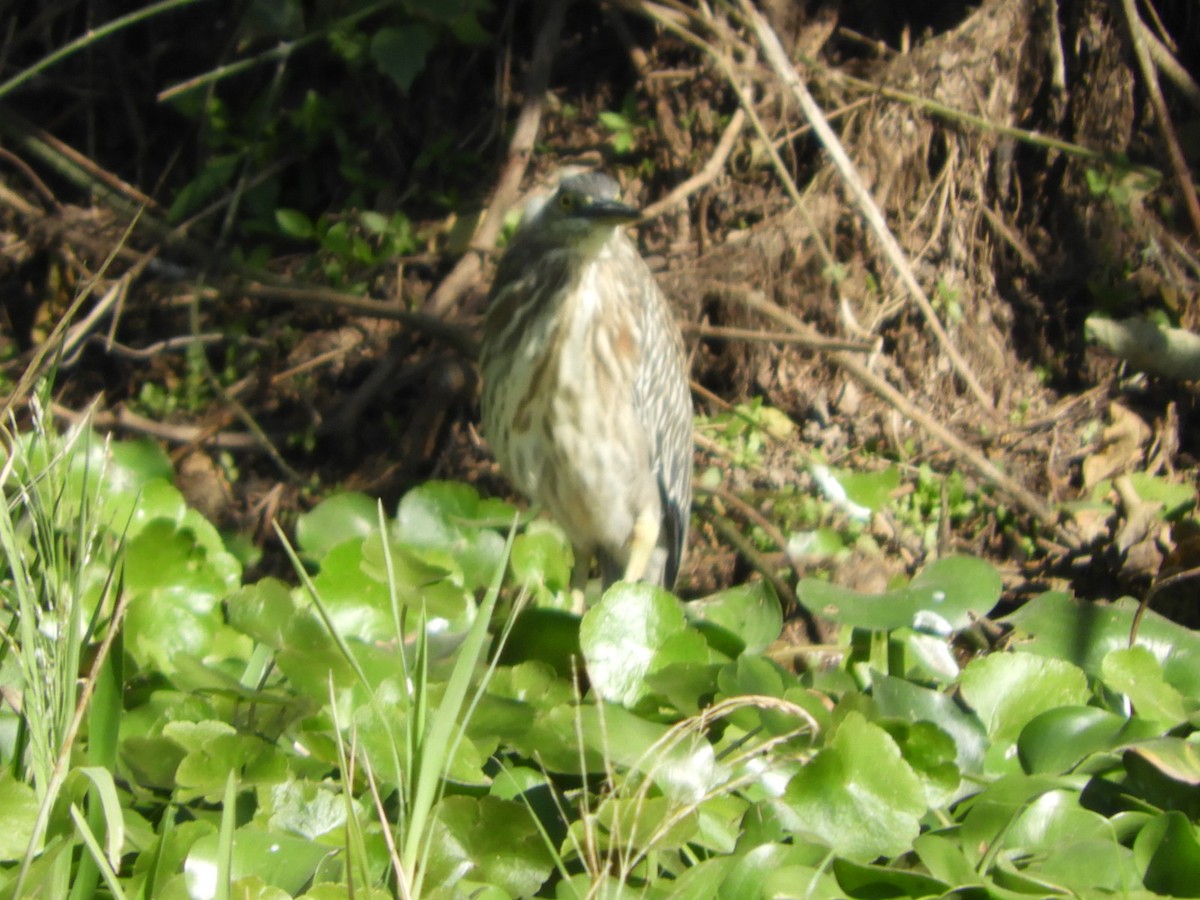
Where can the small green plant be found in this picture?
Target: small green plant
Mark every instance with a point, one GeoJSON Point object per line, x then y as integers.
{"type": "Point", "coordinates": [624, 126]}
{"type": "Point", "coordinates": [745, 430]}
{"type": "Point", "coordinates": [408, 718]}
{"type": "Point", "coordinates": [948, 302]}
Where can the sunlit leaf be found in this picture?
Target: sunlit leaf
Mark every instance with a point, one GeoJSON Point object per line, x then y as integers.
{"type": "Point", "coordinates": [634, 630]}
{"type": "Point", "coordinates": [491, 840]}
{"type": "Point", "coordinates": [1058, 739]}
{"type": "Point", "coordinates": [1136, 673]}
{"type": "Point", "coordinates": [942, 598]}
{"type": "Point", "coordinates": [1008, 689]}
{"type": "Point", "coordinates": [341, 517]}
{"type": "Point", "coordinates": [18, 812]}
{"type": "Point", "coordinates": [749, 618]}
{"type": "Point", "coordinates": [858, 795]}
{"type": "Point", "coordinates": [1084, 632]}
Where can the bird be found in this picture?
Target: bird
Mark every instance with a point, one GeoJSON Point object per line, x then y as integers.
{"type": "Point", "coordinates": [585, 398]}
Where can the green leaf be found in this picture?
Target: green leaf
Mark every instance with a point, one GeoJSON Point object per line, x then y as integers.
{"type": "Point", "coordinates": [541, 558]}
{"type": "Point", "coordinates": [872, 490]}
{"type": "Point", "coordinates": [858, 795]}
{"type": "Point", "coordinates": [279, 860]}
{"type": "Point", "coordinates": [1176, 758]}
{"type": "Point", "coordinates": [1007, 690]}
{"type": "Point", "coordinates": [901, 699]}
{"type": "Point", "coordinates": [489, 840]}
{"type": "Point", "coordinates": [176, 570]}
{"type": "Point", "coordinates": [1136, 673]}
{"type": "Point", "coordinates": [400, 53]}
{"type": "Point", "coordinates": [1057, 740]}
{"type": "Point", "coordinates": [1084, 633]}
{"type": "Point", "coordinates": [216, 176]}
{"type": "Point", "coordinates": [859, 880]}
{"type": "Point", "coordinates": [944, 597]}
{"type": "Point", "coordinates": [743, 619]}
{"type": "Point", "coordinates": [636, 629]}
{"type": "Point", "coordinates": [931, 754]}
{"type": "Point", "coordinates": [1169, 854]}
{"type": "Point", "coordinates": [614, 121]}
{"type": "Point", "coordinates": [341, 517]}
{"type": "Point", "coordinates": [992, 812]}
{"type": "Point", "coordinates": [1175, 497]}
{"type": "Point", "coordinates": [303, 808]}
{"type": "Point", "coordinates": [18, 813]}
{"type": "Point", "coordinates": [214, 751]}
{"type": "Point", "coordinates": [264, 611]}
{"type": "Point", "coordinates": [374, 222]}
{"type": "Point", "coordinates": [548, 635]}
{"type": "Point", "coordinates": [451, 518]}
{"type": "Point", "coordinates": [133, 464]}
{"type": "Point", "coordinates": [295, 224]}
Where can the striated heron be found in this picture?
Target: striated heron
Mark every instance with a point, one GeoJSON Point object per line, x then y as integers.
{"type": "Point", "coordinates": [585, 394]}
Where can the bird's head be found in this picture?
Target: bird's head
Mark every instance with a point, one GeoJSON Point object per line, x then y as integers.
{"type": "Point", "coordinates": [583, 211]}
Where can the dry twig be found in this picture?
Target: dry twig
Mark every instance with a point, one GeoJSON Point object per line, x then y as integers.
{"type": "Point", "coordinates": [870, 210]}
{"type": "Point", "coordinates": [1137, 36]}
{"type": "Point", "coordinates": [466, 270]}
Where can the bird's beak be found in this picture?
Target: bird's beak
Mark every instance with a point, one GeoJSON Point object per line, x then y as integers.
{"type": "Point", "coordinates": [611, 212]}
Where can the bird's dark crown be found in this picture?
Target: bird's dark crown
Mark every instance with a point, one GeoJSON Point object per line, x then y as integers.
{"type": "Point", "coordinates": [592, 197]}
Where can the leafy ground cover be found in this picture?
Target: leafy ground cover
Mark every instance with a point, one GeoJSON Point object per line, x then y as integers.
{"type": "Point", "coordinates": [416, 713]}
{"type": "Point", "coordinates": [279, 661]}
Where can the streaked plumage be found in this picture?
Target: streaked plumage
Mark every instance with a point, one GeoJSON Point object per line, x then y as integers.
{"type": "Point", "coordinates": [585, 395]}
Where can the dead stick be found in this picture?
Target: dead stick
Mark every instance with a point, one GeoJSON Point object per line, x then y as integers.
{"type": "Point", "coordinates": [466, 270]}
{"type": "Point", "coordinates": [1174, 152]}
{"type": "Point", "coordinates": [1028, 500]}
{"type": "Point", "coordinates": [786, 72]}
{"type": "Point", "coordinates": [711, 171]}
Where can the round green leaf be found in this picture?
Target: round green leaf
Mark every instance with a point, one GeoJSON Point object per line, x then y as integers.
{"type": "Point", "coordinates": [1136, 673]}
{"type": "Point", "coordinates": [1007, 690]}
{"type": "Point", "coordinates": [749, 614]}
{"type": "Point", "coordinates": [944, 597]}
{"type": "Point", "coordinates": [489, 840]}
{"type": "Point", "coordinates": [133, 464]}
{"type": "Point", "coordinates": [897, 698]}
{"type": "Point", "coordinates": [263, 611]}
{"type": "Point", "coordinates": [1168, 852]}
{"type": "Point", "coordinates": [548, 635]}
{"type": "Point", "coordinates": [18, 812]}
{"type": "Point", "coordinates": [280, 860]}
{"type": "Point", "coordinates": [1058, 739]}
{"type": "Point", "coordinates": [858, 795]}
{"type": "Point", "coordinates": [631, 633]}
{"type": "Point", "coordinates": [541, 558]}
{"type": "Point", "coordinates": [1055, 624]}
{"type": "Point", "coordinates": [341, 517]}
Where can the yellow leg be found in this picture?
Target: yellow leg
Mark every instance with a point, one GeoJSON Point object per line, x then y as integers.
{"type": "Point", "coordinates": [579, 574]}
{"type": "Point", "coordinates": [641, 544]}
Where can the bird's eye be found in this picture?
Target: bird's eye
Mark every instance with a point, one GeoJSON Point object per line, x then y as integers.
{"type": "Point", "coordinates": [566, 201]}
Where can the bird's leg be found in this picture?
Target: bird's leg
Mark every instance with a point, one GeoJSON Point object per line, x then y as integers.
{"type": "Point", "coordinates": [579, 574]}
{"type": "Point", "coordinates": [642, 543]}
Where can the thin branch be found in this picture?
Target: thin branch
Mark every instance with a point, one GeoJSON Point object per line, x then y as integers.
{"type": "Point", "coordinates": [711, 172]}
{"type": "Point", "coordinates": [1179, 166]}
{"type": "Point", "coordinates": [467, 269]}
{"type": "Point", "coordinates": [786, 72]}
{"type": "Point", "coordinates": [985, 468]}
{"type": "Point", "coordinates": [92, 36]}
{"type": "Point", "coordinates": [815, 342]}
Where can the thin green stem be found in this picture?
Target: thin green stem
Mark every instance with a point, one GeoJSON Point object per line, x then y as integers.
{"type": "Point", "coordinates": [93, 36]}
